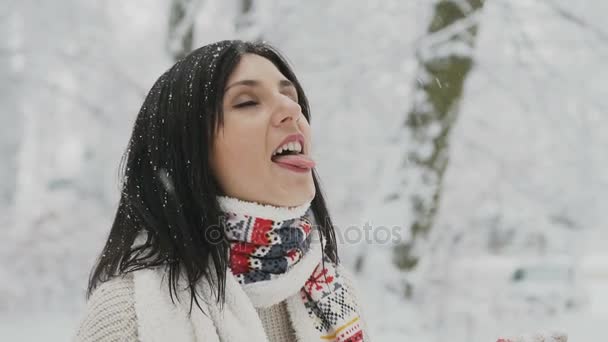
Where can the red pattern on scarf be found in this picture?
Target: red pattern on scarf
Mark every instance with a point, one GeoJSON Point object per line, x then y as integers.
{"type": "Point", "coordinates": [259, 234]}
{"type": "Point", "coordinates": [239, 257]}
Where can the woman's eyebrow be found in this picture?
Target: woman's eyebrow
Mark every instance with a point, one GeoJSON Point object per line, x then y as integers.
{"type": "Point", "coordinates": [255, 83]}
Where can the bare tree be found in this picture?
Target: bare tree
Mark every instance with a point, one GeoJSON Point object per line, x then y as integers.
{"type": "Point", "coordinates": [445, 60]}
{"type": "Point", "coordinates": [248, 19]}
{"type": "Point", "coordinates": [181, 27]}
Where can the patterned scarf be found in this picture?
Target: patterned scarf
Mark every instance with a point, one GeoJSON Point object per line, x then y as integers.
{"type": "Point", "coordinates": [266, 243]}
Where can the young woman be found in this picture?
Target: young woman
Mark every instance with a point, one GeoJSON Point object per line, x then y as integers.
{"type": "Point", "coordinates": [222, 233]}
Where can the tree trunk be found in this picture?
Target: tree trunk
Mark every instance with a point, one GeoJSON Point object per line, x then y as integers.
{"type": "Point", "coordinates": [445, 59]}
{"type": "Point", "coordinates": [181, 27]}
{"type": "Point", "coordinates": [247, 20]}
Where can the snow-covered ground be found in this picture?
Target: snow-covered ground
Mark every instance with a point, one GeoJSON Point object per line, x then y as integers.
{"type": "Point", "coordinates": [38, 326]}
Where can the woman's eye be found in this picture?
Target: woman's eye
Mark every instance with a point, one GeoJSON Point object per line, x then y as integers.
{"type": "Point", "coordinates": [245, 104]}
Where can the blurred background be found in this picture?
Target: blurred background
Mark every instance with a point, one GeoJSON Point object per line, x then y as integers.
{"type": "Point", "coordinates": [475, 131]}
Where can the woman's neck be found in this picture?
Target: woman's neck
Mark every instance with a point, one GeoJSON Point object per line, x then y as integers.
{"type": "Point", "coordinates": [266, 211]}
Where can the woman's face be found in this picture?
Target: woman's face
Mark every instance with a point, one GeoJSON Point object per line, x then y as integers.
{"type": "Point", "coordinates": [261, 113]}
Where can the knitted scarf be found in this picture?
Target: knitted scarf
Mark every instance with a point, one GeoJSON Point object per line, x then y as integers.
{"type": "Point", "coordinates": [269, 247]}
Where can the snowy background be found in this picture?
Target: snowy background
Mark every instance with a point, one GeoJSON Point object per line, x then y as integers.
{"type": "Point", "coordinates": [518, 243]}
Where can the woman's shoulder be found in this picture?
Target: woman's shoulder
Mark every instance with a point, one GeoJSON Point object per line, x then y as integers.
{"type": "Point", "coordinates": [110, 312]}
{"type": "Point", "coordinates": [121, 285]}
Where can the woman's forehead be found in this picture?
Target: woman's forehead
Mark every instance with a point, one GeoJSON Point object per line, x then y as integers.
{"type": "Point", "coordinates": [257, 68]}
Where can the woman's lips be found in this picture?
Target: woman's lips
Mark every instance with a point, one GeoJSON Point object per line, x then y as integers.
{"type": "Point", "coordinates": [296, 162]}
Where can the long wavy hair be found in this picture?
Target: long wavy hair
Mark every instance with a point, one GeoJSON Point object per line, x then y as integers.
{"type": "Point", "coordinates": [168, 191]}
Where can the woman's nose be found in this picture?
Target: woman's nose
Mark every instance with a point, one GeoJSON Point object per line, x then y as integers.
{"type": "Point", "coordinates": [287, 109]}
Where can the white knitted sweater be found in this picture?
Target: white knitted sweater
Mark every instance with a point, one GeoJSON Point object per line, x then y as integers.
{"type": "Point", "coordinates": [110, 315]}
{"type": "Point", "coordinates": [137, 306]}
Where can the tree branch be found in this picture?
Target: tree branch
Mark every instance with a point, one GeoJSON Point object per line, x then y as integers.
{"type": "Point", "coordinates": [576, 20]}
{"type": "Point", "coordinates": [181, 23]}
{"type": "Point", "coordinates": [459, 27]}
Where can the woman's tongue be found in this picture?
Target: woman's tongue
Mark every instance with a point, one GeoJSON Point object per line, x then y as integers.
{"type": "Point", "coordinates": [297, 160]}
